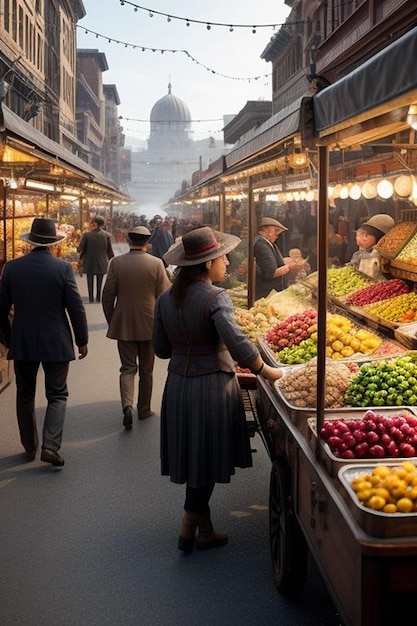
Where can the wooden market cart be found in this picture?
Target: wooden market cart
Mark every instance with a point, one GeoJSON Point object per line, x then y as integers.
{"type": "Point", "coordinates": [368, 559]}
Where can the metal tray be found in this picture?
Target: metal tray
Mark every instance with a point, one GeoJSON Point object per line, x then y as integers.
{"type": "Point", "coordinates": [333, 463]}
{"type": "Point", "coordinates": [375, 523]}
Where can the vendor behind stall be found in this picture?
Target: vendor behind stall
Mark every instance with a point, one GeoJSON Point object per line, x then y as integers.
{"type": "Point", "coordinates": [367, 259]}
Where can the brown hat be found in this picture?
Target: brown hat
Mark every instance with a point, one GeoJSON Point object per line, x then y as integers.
{"type": "Point", "coordinates": [138, 235]}
{"type": "Point", "coordinates": [43, 233]}
{"type": "Point", "coordinates": [200, 245]}
{"type": "Point", "coordinates": [269, 221]}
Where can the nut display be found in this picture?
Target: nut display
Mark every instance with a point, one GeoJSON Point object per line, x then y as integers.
{"type": "Point", "coordinates": [391, 243]}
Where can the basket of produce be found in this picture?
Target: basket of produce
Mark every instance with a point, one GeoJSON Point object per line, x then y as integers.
{"type": "Point", "coordinates": [395, 239]}
{"type": "Point", "coordinates": [389, 382]}
{"type": "Point", "coordinates": [401, 309]}
{"type": "Point", "coordinates": [294, 340]}
{"type": "Point", "coordinates": [382, 497]}
{"type": "Point", "coordinates": [266, 312]}
{"type": "Point", "coordinates": [351, 436]}
{"type": "Point", "coordinates": [298, 386]}
{"type": "Point", "coordinates": [377, 292]}
{"type": "Point", "coordinates": [342, 281]}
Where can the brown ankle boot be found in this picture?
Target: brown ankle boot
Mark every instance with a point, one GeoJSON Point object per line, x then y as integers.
{"type": "Point", "coordinates": [187, 533]}
{"type": "Point", "coordinates": [207, 538]}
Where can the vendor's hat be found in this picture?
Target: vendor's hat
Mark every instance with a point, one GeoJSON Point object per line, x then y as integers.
{"type": "Point", "coordinates": [200, 245]}
{"type": "Point", "coordinates": [380, 221]}
{"type": "Point", "coordinates": [269, 221]}
{"type": "Point", "coordinates": [43, 233]}
{"type": "Point", "coordinates": [138, 235]}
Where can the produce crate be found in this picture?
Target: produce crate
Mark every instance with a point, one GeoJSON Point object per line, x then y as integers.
{"type": "Point", "coordinates": [400, 269]}
{"type": "Point", "coordinates": [394, 241]}
{"type": "Point", "coordinates": [375, 523]}
{"type": "Point", "coordinates": [334, 463]}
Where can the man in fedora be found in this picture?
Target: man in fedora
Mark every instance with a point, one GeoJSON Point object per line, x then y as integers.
{"type": "Point", "coordinates": [271, 268]}
{"type": "Point", "coordinates": [134, 281]}
{"type": "Point", "coordinates": [42, 292]}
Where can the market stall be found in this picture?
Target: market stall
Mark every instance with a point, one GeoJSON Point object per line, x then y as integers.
{"type": "Point", "coordinates": [341, 424]}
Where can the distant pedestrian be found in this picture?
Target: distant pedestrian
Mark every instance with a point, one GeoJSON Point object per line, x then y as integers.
{"type": "Point", "coordinates": [95, 252]}
{"type": "Point", "coordinates": [40, 291]}
{"type": "Point", "coordinates": [162, 237]}
{"type": "Point", "coordinates": [204, 435]}
{"type": "Point", "coordinates": [134, 281]}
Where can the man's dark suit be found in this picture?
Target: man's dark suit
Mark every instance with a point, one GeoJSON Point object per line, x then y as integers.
{"type": "Point", "coordinates": [41, 291]}
{"type": "Point", "coordinates": [268, 258]}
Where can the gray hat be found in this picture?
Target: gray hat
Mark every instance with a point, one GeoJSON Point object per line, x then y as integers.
{"type": "Point", "coordinates": [269, 221]}
{"type": "Point", "coordinates": [98, 220]}
{"type": "Point", "coordinates": [138, 235]}
{"type": "Point", "coordinates": [200, 245]}
{"type": "Point", "coordinates": [43, 233]}
{"type": "Point", "coordinates": [380, 221]}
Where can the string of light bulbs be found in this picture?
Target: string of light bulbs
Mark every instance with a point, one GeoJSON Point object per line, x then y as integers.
{"type": "Point", "coordinates": [188, 22]}
{"type": "Point", "coordinates": [133, 119]}
{"type": "Point", "coordinates": [173, 51]}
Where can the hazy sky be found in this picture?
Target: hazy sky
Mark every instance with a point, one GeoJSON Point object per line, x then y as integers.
{"type": "Point", "coordinates": [209, 82]}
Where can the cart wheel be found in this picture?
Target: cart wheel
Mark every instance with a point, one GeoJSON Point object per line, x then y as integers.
{"type": "Point", "coordinates": [289, 549]}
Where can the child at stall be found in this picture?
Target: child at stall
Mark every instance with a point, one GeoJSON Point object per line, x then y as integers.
{"type": "Point", "coordinates": [367, 259]}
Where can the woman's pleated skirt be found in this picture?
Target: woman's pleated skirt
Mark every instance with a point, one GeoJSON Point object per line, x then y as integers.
{"type": "Point", "coordinates": [204, 434]}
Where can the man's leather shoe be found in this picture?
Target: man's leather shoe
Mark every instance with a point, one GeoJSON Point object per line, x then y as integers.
{"type": "Point", "coordinates": [50, 456]}
{"type": "Point", "coordinates": [127, 417]}
{"type": "Point", "coordinates": [143, 415]}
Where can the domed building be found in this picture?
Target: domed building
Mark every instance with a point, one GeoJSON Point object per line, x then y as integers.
{"type": "Point", "coordinates": [172, 155]}
{"type": "Point", "coordinates": [170, 124]}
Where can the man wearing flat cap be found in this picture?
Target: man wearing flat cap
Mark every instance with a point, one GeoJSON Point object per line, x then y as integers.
{"type": "Point", "coordinates": [271, 268]}
{"type": "Point", "coordinates": [134, 281]}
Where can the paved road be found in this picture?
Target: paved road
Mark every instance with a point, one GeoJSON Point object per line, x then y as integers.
{"type": "Point", "coordinates": [95, 542]}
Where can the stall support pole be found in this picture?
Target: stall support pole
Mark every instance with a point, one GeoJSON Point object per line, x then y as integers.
{"type": "Point", "coordinates": [322, 265]}
{"type": "Point", "coordinates": [252, 230]}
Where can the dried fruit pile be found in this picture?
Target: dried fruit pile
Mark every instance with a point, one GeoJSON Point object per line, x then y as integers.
{"type": "Point", "coordinates": [373, 436]}
{"type": "Point", "coordinates": [391, 382]}
{"type": "Point", "coordinates": [388, 489]}
{"type": "Point", "coordinates": [344, 280]}
{"type": "Point", "coordinates": [377, 292]}
{"type": "Point", "coordinates": [400, 309]}
{"type": "Point", "coordinates": [299, 387]}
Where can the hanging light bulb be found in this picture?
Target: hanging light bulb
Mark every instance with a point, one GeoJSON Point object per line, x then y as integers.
{"type": "Point", "coordinates": [296, 196]}
{"type": "Point", "coordinates": [355, 192]}
{"type": "Point", "coordinates": [344, 192]}
{"type": "Point", "coordinates": [369, 191]}
{"type": "Point", "coordinates": [336, 190]}
{"type": "Point", "coordinates": [310, 195]}
{"type": "Point", "coordinates": [290, 197]}
{"type": "Point", "coordinates": [385, 188]}
{"type": "Point", "coordinates": [403, 185]}
{"type": "Point", "coordinates": [330, 192]}
{"type": "Point", "coordinates": [302, 195]}
{"type": "Point", "coordinates": [298, 159]}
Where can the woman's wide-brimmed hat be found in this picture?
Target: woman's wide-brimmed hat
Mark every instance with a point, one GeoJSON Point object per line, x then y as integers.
{"type": "Point", "coordinates": [200, 245]}
{"type": "Point", "coordinates": [43, 233]}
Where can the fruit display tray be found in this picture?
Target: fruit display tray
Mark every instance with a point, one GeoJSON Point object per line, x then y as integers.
{"type": "Point", "coordinates": [375, 523]}
{"type": "Point", "coordinates": [333, 463]}
{"type": "Point", "coordinates": [407, 335]}
{"type": "Point", "coordinates": [391, 244]}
